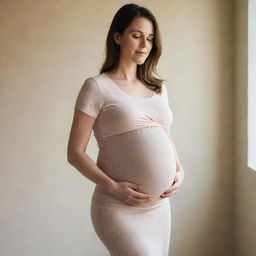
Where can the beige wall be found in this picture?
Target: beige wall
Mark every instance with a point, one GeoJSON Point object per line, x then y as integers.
{"type": "Point", "coordinates": [48, 48]}
{"type": "Point", "coordinates": [245, 183]}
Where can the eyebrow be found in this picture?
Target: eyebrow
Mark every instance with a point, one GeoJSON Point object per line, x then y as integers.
{"type": "Point", "coordinates": [141, 32]}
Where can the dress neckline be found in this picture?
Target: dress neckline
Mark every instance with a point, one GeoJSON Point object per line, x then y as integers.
{"type": "Point", "coordinates": [125, 93]}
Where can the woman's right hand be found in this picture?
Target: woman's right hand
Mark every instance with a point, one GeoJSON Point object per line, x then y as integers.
{"type": "Point", "coordinates": [127, 192]}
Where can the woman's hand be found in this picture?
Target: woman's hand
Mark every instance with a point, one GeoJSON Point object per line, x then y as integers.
{"type": "Point", "coordinates": [178, 180]}
{"type": "Point", "coordinates": [126, 192]}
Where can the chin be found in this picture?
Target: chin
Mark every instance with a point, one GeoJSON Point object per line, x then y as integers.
{"type": "Point", "coordinates": [140, 62]}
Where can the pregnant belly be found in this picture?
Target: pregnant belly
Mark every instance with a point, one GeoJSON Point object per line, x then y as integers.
{"type": "Point", "coordinates": [144, 156]}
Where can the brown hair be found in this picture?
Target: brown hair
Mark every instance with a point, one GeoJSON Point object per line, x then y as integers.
{"type": "Point", "coordinates": [122, 19]}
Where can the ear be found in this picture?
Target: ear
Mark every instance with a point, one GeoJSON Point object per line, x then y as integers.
{"type": "Point", "coordinates": [117, 38]}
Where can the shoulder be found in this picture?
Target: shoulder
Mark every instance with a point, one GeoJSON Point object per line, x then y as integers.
{"type": "Point", "coordinates": [100, 84]}
{"type": "Point", "coordinates": [91, 84]}
{"type": "Point", "coordinates": [95, 81]}
{"type": "Point", "coordinates": [89, 98]}
{"type": "Point", "coordinates": [99, 79]}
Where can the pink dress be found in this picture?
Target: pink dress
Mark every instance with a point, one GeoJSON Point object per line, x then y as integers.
{"type": "Point", "coordinates": [133, 147]}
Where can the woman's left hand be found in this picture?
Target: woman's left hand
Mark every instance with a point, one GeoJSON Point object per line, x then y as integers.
{"type": "Point", "coordinates": [178, 180]}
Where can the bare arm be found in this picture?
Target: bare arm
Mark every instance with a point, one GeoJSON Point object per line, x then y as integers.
{"type": "Point", "coordinates": [78, 139]}
{"type": "Point", "coordinates": [178, 163]}
{"type": "Point", "coordinates": [179, 175]}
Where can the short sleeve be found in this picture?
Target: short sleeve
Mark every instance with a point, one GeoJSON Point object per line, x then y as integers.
{"type": "Point", "coordinates": [89, 99]}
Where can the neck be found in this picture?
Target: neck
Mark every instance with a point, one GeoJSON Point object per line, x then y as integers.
{"type": "Point", "coordinates": [126, 71]}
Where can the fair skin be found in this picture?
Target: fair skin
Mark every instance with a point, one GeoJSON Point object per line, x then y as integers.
{"type": "Point", "coordinates": [137, 37]}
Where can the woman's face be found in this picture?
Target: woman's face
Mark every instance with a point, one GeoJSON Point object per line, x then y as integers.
{"type": "Point", "coordinates": [136, 41]}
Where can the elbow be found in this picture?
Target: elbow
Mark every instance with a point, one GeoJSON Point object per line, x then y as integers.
{"type": "Point", "coordinates": [73, 155]}
{"type": "Point", "coordinates": [69, 159]}
{"type": "Point", "coordinates": [70, 156]}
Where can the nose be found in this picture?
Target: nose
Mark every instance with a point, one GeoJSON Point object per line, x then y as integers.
{"type": "Point", "coordinates": [143, 42]}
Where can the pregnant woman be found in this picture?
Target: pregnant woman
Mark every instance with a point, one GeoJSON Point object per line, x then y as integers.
{"type": "Point", "coordinates": [137, 166]}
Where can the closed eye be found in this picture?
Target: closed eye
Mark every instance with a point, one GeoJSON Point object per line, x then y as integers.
{"type": "Point", "coordinates": [151, 39]}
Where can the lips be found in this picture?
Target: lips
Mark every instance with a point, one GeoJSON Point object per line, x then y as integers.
{"type": "Point", "coordinates": [141, 52]}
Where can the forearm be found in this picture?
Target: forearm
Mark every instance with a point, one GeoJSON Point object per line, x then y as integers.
{"type": "Point", "coordinates": [178, 163]}
{"type": "Point", "coordinates": [87, 167]}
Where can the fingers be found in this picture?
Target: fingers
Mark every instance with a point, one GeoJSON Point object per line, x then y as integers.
{"type": "Point", "coordinates": [137, 201]}
{"type": "Point", "coordinates": [138, 198]}
{"type": "Point", "coordinates": [135, 197]}
{"type": "Point", "coordinates": [140, 195]}
{"type": "Point", "coordinates": [171, 189]}
{"type": "Point", "coordinates": [135, 186]}
{"type": "Point", "coordinates": [164, 195]}
{"type": "Point", "coordinates": [175, 185]}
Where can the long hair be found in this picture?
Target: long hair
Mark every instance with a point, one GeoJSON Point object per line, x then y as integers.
{"type": "Point", "coordinates": [122, 19]}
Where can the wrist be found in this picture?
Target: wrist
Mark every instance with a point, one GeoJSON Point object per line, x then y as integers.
{"type": "Point", "coordinates": [110, 186]}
